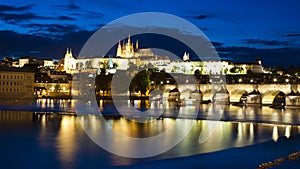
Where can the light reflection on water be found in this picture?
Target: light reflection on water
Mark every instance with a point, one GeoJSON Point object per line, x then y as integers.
{"type": "Point", "coordinates": [206, 111]}
{"type": "Point", "coordinates": [69, 139]}
{"type": "Point", "coordinates": [63, 133]}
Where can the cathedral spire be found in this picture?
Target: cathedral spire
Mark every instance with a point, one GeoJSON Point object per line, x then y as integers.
{"type": "Point", "coordinates": [137, 45]}
{"type": "Point", "coordinates": [128, 39]}
{"type": "Point", "coordinates": [119, 49]}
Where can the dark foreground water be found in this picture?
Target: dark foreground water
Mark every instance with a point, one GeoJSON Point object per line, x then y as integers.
{"type": "Point", "coordinates": [36, 139]}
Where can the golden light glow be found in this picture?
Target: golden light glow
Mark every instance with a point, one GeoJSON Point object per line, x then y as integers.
{"type": "Point", "coordinates": [251, 132]}
{"type": "Point", "coordinates": [287, 131]}
{"type": "Point", "coordinates": [275, 134]}
{"type": "Point", "coordinates": [66, 140]}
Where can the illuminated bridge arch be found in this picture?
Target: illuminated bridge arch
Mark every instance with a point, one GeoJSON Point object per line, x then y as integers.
{"type": "Point", "coordinates": [273, 97]}
{"type": "Point", "coordinates": [236, 95]}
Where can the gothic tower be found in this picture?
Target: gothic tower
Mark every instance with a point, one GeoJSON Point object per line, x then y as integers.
{"type": "Point", "coordinates": [119, 50]}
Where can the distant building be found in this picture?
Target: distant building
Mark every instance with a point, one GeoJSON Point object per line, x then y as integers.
{"type": "Point", "coordinates": [26, 60]}
{"type": "Point", "coordinates": [16, 83]}
{"type": "Point", "coordinates": [23, 61]}
{"type": "Point", "coordinates": [47, 63]}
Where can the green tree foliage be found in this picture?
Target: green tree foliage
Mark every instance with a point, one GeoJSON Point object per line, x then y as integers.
{"type": "Point", "coordinates": [140, 82]}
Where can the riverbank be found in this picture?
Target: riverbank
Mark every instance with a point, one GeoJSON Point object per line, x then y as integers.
{"type": "Point", "coordinates": [247, 157]}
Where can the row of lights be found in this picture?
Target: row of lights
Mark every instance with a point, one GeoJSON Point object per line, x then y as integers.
{"type": "Point", "coordinates": [240, 80]}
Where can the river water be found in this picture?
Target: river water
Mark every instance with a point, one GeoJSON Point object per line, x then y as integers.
{"type": "Point", "coordinates": [44, 136]}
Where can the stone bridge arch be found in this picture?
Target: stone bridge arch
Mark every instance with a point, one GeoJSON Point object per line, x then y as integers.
{"type": "Point", "coordinates": [274, 97]}
{"type": "Point", "coordinates": [236, 95]}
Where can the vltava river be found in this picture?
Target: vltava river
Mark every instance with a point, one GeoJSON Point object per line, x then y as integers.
{"type": "Point", "coordinates": [45, 139]}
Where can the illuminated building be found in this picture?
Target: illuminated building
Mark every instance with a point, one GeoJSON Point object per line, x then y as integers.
{"type": "Point", "coordinates": [16, 83]}
{"type": "Point", "coordinates": [128, 54]}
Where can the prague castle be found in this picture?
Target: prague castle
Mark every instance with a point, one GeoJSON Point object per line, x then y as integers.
{"type": "Point", "coordinates": [127, 50]}
{"type": "Point", "coordinates": [129, 54]}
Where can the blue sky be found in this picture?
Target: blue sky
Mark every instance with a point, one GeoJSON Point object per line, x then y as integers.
{"type": "Point", "coordinates": [242, 29]}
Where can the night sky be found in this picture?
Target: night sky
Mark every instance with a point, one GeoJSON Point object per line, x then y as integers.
{"type": "Point", "coordinates": [240, 30]}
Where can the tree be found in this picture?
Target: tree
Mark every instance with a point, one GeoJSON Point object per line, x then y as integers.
{"type": "Point", "coordinates": [141, 82]}
{"type": "Point", "coordinates": [103, 82]}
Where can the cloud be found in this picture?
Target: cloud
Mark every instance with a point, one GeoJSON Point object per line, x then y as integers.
{"type": "Point", "coordinates": [17, 18]}
{"type": "Point", "coordinates": [89, 14]}
{"type": "Point", "coordinates": [70, 6]}
{"type": "Point", "coordinates": [292, 35]}
{"type": "Point", "coordinates": [199, 17]}
{"type": "Point", "coordinates": [217, 44]}
{"type": "Point", "coordinates": [266, 42]}
{"type": "Point", "coordinates": [92, 15]}
{"type": "Point", "coordinates": [14, 18]}
{"type": "Point", "coordinates": [8, 8]}
{"type": "Point", "coordinates": [51, 29]}
{"type": "Point", "coordinates": [46, 47]}
{"type": "Point", "coordinates": [119, 5]}
{"type": "Point", "coordinates": [271, 57]}
{"type": "Point", "coordinates": [65, 18]}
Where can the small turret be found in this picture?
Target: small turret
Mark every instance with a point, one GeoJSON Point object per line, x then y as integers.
{"type": "Point", "coordinates": [186, 56]}
{"type": "Point", "coordinates": [67, 52]}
